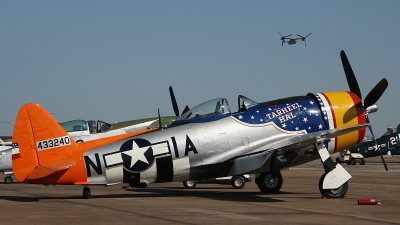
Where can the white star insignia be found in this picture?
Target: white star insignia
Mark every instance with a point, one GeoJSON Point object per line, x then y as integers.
{"type": "Point", "coordinates": [240, 117]}
{"type": "Point", "coordinates": [297, 128]}
{"type": "Point", "coordinates": [311, 102]}
{"type": "Point", "coordinates": [252, 117]}
{"type": "Point", "coordinates": [320, 126]}
{"type": "Point", "coordinates": [305, 119]}
{"type": "Point", "coordinates": [136, 154]}
{"type": "Point", "coordinates": [284, 125]}
{"type": "Point", "coordinates": [305, 108]}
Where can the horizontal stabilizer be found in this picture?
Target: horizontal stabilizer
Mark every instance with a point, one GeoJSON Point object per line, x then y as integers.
{"type": "Point", "coordinates": [51, 168]}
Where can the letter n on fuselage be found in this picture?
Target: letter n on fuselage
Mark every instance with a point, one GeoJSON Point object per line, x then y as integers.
{"type": "Point", "coordinates": [89, 163]}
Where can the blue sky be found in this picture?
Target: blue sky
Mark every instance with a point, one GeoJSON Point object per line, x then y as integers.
{"type": "Point", "coordinates": [114, 60]}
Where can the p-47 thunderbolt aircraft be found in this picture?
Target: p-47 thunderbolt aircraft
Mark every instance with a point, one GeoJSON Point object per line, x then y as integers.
{"type": "Point", "coordinates": [207, 141]}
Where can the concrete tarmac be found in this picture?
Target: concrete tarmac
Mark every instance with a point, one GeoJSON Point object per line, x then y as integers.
{"type": "Point", "coordinates": [299, 201]}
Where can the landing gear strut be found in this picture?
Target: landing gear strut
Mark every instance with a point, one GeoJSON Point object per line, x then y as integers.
{"type": "Point", "coordinates": [86, 192]}
{"type": "Point", "coordinates": [334, 182]}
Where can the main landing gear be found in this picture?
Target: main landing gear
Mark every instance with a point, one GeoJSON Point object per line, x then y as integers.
{"type": "Point", "coordinates": [334, 182]}
{"type": "Point", "coordinates": [86, 192]}
{"type": "Point", "coordinates": [267, 183]}
{"type": "Point", "coordinates": [339, 192]}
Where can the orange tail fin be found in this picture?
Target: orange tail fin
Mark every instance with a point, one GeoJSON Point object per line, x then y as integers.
{"type": "Point", "coordinates": [40, 139]}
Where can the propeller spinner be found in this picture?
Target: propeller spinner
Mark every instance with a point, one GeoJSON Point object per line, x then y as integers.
{"type": "Point", "coordinates": [372, 97]}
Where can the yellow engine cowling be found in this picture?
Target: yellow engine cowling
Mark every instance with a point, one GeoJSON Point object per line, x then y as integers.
{"type": "Point", "coordinates": [343, 109]}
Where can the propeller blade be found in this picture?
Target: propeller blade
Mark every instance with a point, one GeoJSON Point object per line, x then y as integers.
{"type": "Point", "coordinates": [351, 78]}
{"type": "Point", "coordinates": [300, 36]}
{"type": "Point", "coordinates": [159, 120]}
{"type": "Point", "coordinates": [185, 110]}
{"type": "Point", "coordinates": [173, 100]}
{"type": "Point", "coordinates": [279, 33]}
{"type": "Point", "coordinates": [308, 35]}
{"type": "Point", "coordinates": [375, 93]}
{"type": "Point", "coordinates": [376, 144]}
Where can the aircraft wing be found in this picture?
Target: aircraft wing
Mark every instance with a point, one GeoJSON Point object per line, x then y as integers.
{"type": "Point", "coordinates": [299, 141]}
{"type": "Point", "coordinates": [263, 150]}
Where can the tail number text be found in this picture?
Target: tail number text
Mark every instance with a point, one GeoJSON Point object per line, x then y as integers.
{"type": "Point", "coordinates": [53, 143]}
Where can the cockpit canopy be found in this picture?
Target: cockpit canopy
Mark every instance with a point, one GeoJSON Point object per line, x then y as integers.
{"type": "Point", "coordinates": [214, 110]}
{"type": "Point", "coordinates": [245, 103]}
{"type": "Point", "coordinates": [207, 111]}
{"type": "Point", "coordinates": [390, 132]}
{"type": "Point", "coordinates": [82, 125]}
{"type": "Point", "coordinates": [74, 125]}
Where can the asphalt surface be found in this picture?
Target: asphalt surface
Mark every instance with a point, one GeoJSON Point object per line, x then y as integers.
{"type": "Point", "coordinates": [299, 201]}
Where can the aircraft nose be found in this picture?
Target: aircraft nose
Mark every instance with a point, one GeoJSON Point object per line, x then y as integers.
{"type": "Point", "coordinates": [345, 109]}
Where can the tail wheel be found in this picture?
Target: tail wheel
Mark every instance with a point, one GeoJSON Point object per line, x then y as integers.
{"type": "Point", "coordinates": [238, 182]}
{"type": "Point", "coordinates": [190, 184]}
{"type": "Point", "coordinates": [268, 183]}
{"type": "Point", "coordinates": [339, 192]}
{"type": "Point", "coordinates": [362, 162]}
{"type": "Point", "coordinates": [8, 180]}
{"type": "Point", "coordinates": [86, 192]}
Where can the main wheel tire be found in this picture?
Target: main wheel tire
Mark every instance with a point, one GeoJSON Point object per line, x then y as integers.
{"type": "Point", "coordinates": [339, 192]}
{"type": "Point", "coordinates": [190, 184]}
{"type": "Point", "coordinates": [338, 161]}
{"type": "Point", "coordinates": [86, 192]}
{"type": "Point", "coordinates": [353, 162]}
{"type": "Point", "coordinates": [8, 180]}
{"type": "Point", "coordinates": [362, 162]}
{"type": "Point", "coordinates": [268, 184]}
{"type": "Point", "coordinates": [238, 182]}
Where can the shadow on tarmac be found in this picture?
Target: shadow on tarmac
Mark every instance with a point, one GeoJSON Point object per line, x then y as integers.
{"type": "Point", "coordinates": [210, 193]}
